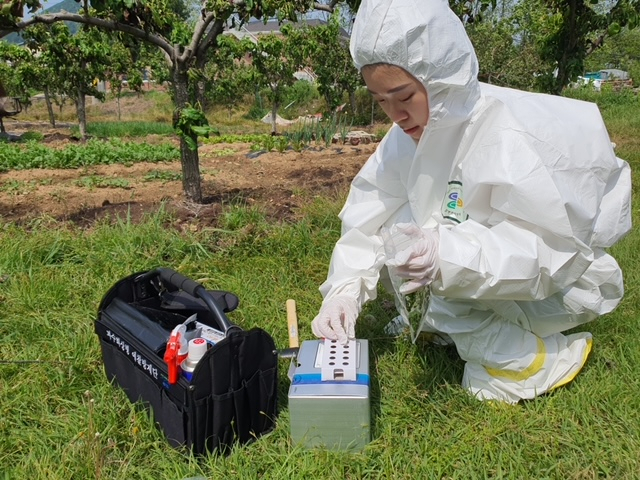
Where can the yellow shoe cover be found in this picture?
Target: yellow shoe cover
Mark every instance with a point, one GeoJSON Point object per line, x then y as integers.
{"type": "Point", "coordinates": [558, 360]}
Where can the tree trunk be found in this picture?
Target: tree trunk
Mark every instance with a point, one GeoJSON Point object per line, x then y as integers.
{"type": "Point", "coordinates": [81, 110]}
{"type": "Point", "coordinates": [274, 113]}
{"type": "Point", "coordinates": [569, 42]}
{"type": "Point", "coordinates": [201, 88]}
{"type": "Point", "coordinates": [352, 103]}
{"type": "Point", "coordinates": [373, 107]}
{"type": "Point", "coordinates": [191, 182]}
{"type": "Point", "coordinates": [47, 101]}
{"type": "Point", "coordinates": [200, 93]}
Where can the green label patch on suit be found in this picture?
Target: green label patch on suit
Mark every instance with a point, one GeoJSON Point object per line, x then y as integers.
{"type": "Point", "coordinates": [453, 203]}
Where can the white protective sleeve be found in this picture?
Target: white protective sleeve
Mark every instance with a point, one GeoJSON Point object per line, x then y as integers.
{"type": "Point", "coordinates": [377, 194]}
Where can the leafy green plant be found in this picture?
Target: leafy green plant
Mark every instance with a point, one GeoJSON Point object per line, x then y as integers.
{"type": "Point", "coordinates": [225, 152]}
{"type": "Point", "coordinates": [282, 143]}
{"type": "Point", "coordinates": [233, 138]}
{"type": "Point", "coordinates": [98, 181]}
{"type": "Point", "coordinates": [328, 56]}
{"type": "Point", "coordinates": [162, 175]}
{"type": "Point", "coordinates": [325, 130]}
{"type": "Point", "coordinates": [302, 134]}
{"type": "Point", "coordinates": [18, 187]}
{"type": "Point", "coordinates": [28, 136]}
{"type": "Point", "coordinates": [190, 124]}
{"type": "Point", "coordinates": [93, 152]}
{"type": "Point", "coordinates": [344, 127]}
{"type": "Point", "coordinates": [297, 145]}
{"type": "Point", "coordinates": [300, 93]}
{"type": "Point", "coordinates": [268, 143]}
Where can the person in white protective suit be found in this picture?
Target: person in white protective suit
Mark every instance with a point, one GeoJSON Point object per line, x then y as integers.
{"type": "Point", "coordinates": [499, 201]}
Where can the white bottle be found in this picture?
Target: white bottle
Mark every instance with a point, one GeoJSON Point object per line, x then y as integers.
{"type": "Point", "coordinates": [197, 349]}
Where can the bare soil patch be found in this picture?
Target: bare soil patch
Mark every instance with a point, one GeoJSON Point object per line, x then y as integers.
{"type": "Point", "coordinates": [277, 182]}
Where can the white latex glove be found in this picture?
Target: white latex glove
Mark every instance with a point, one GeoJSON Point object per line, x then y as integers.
{"type": "Point", "coordinates": [336, 319]}
{"type": "Point", "coordinates": [417, 260]}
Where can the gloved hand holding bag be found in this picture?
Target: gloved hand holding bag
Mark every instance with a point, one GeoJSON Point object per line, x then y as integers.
{"type": "Point", "coordinates": [412, 254]}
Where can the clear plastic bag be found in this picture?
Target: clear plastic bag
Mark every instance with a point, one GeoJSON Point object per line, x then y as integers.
{"type": "Point", "coordinates": [411, 307]}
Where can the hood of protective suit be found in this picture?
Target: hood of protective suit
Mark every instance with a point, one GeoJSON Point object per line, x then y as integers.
{"type": "Point", "coordinates": [425, 38]}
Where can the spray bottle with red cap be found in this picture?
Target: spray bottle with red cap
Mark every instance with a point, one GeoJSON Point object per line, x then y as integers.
{"type": "Point", "coordinates": [176, 352]}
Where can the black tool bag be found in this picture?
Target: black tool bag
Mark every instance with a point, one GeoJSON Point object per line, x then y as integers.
{"type": "Point", "coordinates": [232, 395]}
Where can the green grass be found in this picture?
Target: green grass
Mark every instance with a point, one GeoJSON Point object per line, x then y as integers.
{"type": "Point", "coordinates": [60, 419]}
{"type": "Point", "coordinates": [128, 129]}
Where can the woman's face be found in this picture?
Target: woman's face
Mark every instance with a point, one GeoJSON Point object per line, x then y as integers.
{"type": "Point", "coordinates": [402, 97]}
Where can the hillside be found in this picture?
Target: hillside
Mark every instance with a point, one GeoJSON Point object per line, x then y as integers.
{"type": "Point", "coordinates": [65, 5]}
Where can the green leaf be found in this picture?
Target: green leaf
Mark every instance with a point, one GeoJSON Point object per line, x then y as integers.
{"type": "Point", "coordinates": [190, 142]}
{"type": "Point", "coordinates": [613, 29]}
{"type": "Point", "coordinates": [201, 131]}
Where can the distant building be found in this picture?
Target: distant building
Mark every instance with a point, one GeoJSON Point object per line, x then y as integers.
{"type": "Point", "coordinates": [256, 28]}
{"type": "Point", "coordinates": [611, 75]}
{"type": "Point", "coordinates": [608, 74]}
{"type": "Point", "coordinates": [253, 30]}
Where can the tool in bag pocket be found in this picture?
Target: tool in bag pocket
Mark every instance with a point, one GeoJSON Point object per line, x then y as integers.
{"type": "Point", "coordinates": [233, 390]}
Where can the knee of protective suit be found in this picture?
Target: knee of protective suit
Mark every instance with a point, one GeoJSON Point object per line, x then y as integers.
{"type": "Point", "coordinates": [498, 344]}
{"type": "Point", "coordinates": [557, 361]}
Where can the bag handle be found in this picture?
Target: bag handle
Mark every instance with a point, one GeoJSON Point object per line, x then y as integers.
{"type": "Point", "coordinates": [177, 280]}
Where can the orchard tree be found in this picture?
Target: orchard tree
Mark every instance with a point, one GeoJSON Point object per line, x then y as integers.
{"type": "Point", "coordinates": [567, 31]}
{"type": "Point", "coordinates": [34, 72]}
{"type": "Point", "coordinates": [12, 76]}
{"type": "Point", "coordinates": [185, 46]}
{"type": "Point", "coordinates": [228, 76]}
{"type": "Point", "coordinates": [275, 58]}
{"type": "Point", "coordinates": [621, 51]}
{"type": "Point", "coordinates": [472, 11]}
{"type": "Point", "coordinates": [75, 61]}
{"type": "Point", "coordinates": [121, 64]}
{"type": "Point", "coordinates": [502, 60]}
{"type": "Point", "coordinates": [326, 51]}
{"type": "Point", "coordinates": [38, 75]}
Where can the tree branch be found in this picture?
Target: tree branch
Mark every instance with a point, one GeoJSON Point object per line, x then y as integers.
{"type": "Point", "coordinates": [99, 23]}
{"type": "Point", "coordinates": [210, 38]}
{"type": "Point", "coordinates": [329, 8]}
{"type": "Point", "coordinates": [323, 7]}
{"type": "Point", "coordinates": [198, 33]}
{"type": "Point", "coordinates": [593, 45]}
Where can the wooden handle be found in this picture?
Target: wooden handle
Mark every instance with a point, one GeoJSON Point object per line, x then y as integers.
{"type": "Point", "coordinates": [292, 323]}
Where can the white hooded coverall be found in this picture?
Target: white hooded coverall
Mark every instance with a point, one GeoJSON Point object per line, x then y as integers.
{"type": "Point", "coordinates": [524, 189]}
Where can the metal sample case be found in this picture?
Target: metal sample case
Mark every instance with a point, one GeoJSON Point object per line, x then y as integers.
{"type": "Point", "coordinates": [329, 402]}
